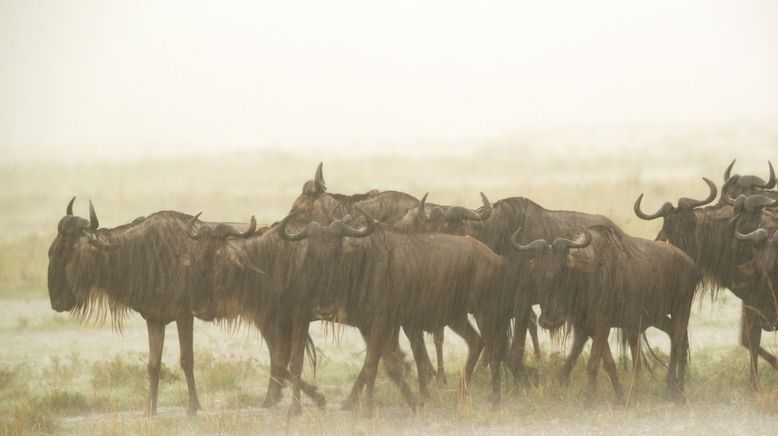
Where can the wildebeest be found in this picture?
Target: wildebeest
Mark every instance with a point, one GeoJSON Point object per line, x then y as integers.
{"type": "Point", "coordinates": [705, 234]}
{"type": "Point", "coordinates": [380, 279]}
{"type": "Point", "coordinates": [251, 278]}
{"type": "Point", "coordinates": [751, 279]}
{"type": "Point", "coordinates": [134, 267]}
{"type": "Point", "coordinates": [759, 278]}
{"type": "Point", "coordinates": [611, 279]}
{"type": "Point", "coordinates": [389, 208]}
{"type": "Point", "coordinates": [494, 227]}
{"type": "Point", "coordinates": [433, 218]}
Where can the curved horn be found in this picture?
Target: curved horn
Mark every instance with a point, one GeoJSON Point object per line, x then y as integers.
{"type": "Point", "coordinates": [757, 236]}
{"type": "Point", "coordinates": [228, 231]}
{"type": "Point", "coordinates": [318, 179]}
{"type": "Point", "coordinates": [422, 212]}
{"type": "Point", "coordinates": [194, 234]}
{"type": "Point", "coordinates": [534, 245]}
{"type": "Point", "coordinates": [486, 211]}
{"type": "Point", "coordinates": [69, 209]}
{"type": "Point", "coordinates": [771, 182]}
{"type": "Point", "coordinates": [252, 228]}
{"type": "Point", "coordinates": [567, 244]}
{"type": "Point", "coordinates": [93, 222]}
{"type": "Point", "coordinates": [690, 203]}
{"type": "Point", "coordinates": [728, 171]}
{"type": "Point", "coordinates": [302, 234]}
{"type": "Point", "coordinates": [360, 233]}
{"type": "Point", "coordinates": [660, 213]}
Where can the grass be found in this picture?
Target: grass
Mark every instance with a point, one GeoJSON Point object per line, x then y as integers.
{"type": "Point", "coordinates": [58, 376]}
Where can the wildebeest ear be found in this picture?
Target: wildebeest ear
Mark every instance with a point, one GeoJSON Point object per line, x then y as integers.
{"type": "Point", "coordinates": [579, 260]}
{"type": "Point", "coordinates": [662, 236]}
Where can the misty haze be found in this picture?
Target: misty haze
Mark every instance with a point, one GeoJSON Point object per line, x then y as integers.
{"type": "Point", "coordinates": [401, 163]}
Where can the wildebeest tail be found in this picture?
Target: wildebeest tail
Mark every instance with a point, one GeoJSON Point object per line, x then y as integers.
{"type": "Point", "coordinates": [310, 350]}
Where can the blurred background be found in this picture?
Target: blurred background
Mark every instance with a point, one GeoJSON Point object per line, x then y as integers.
{"type": "Point", "coordinates": [227, 107]}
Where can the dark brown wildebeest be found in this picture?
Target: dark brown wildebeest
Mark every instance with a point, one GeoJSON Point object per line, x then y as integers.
{"type": "Point", "coordinates": [134, 267]}
{"type": "Point", "coordinates": [433, 218]}
{"type": "Point", "coordinates": [389, 208]}
{"type": "Point", "coordinates": [705, 234]}
{"type": "Point", "coordinates": [611, 279]}
{"type": "Point", "coordinates": [759, 278]}
{"type": "Point", "coordinates": [751, 215]}
{"type": "Point", "coordinates": [380, 280]}
{"type": "Point", "coordinates": [250, 279]}
{"type": "Point", "coordinates": [495, 226]}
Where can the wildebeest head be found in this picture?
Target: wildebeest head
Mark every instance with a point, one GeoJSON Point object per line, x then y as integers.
{"type": "Point", "coordinates": [322, 254]}
{"type": "Point", "coordinates": [680, 222]}
{"type": "Point", "coordinates": [443, 219]}
{"type": "Point", "coordinates": [75, 252]}
{"type": "Point", "coordinates": [754, 281]}
{"type": "Point", "coordinates": [217, 268]}
{"type": "Point", "coordinates": [549, 264]}
{"type": "Point", "coordinates": [326, 240]}
{"type": "Point", "coordinates": [746, 184]}
{"type": "Point", "coordinates": [311, 205]}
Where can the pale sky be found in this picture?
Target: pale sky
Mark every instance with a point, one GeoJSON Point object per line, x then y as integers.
{"type": "Point", "coordinates": [140, 76]}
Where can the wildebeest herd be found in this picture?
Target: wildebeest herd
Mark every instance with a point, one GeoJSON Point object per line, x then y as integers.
{"type": "Point", "coordinates": [385, 261]}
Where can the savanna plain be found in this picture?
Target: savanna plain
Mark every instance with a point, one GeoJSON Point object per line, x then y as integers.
{"type": "Point", "coordinates": [58, 375]}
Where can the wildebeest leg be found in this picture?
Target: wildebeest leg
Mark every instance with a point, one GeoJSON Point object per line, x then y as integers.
{"type": "Point", "coordinates": [424, 358]}
{"type": "Point", "coordinates": [497, 336]}
{"type": "Point", "coordinates": [438, 337]}
{"type": "Point", "coordinates": [299, 337]}
{"type": "Point", "coordinates": [610, 367]}
{"type": "Point", "coordinates": [533, 335]}
{"type": "Point", "coordinates": [353, 398]}
{"type": "Point", "coordinates": [185, 341]}
{"type": "Point", "coordinates": [679, 347]}
{"type": "Point", "coordinates": [280, 352]}
{"type": "Point", "coordinates": [416, 339]}
{"type": "Point", "coordinates": [375, 348]}
{"type": "Point", "coordinates": [516, 362]}
{"type": "Point", "coordinates": [751, 335]}
{"type": "Point", "coordinates": [579, 340]}
{"type": "Point", "coordinates": [768, 357]}
{"type": "Point", "coordinates": [599, 340]}
{"type": "Point", "coordinates": [764, 354]}
{"type": "Point", "coordinates": [156, 341]}
{"type": "Point", "coordinates": [475, 344]}
{"type": "Point", "coordinates": [393, 363]}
